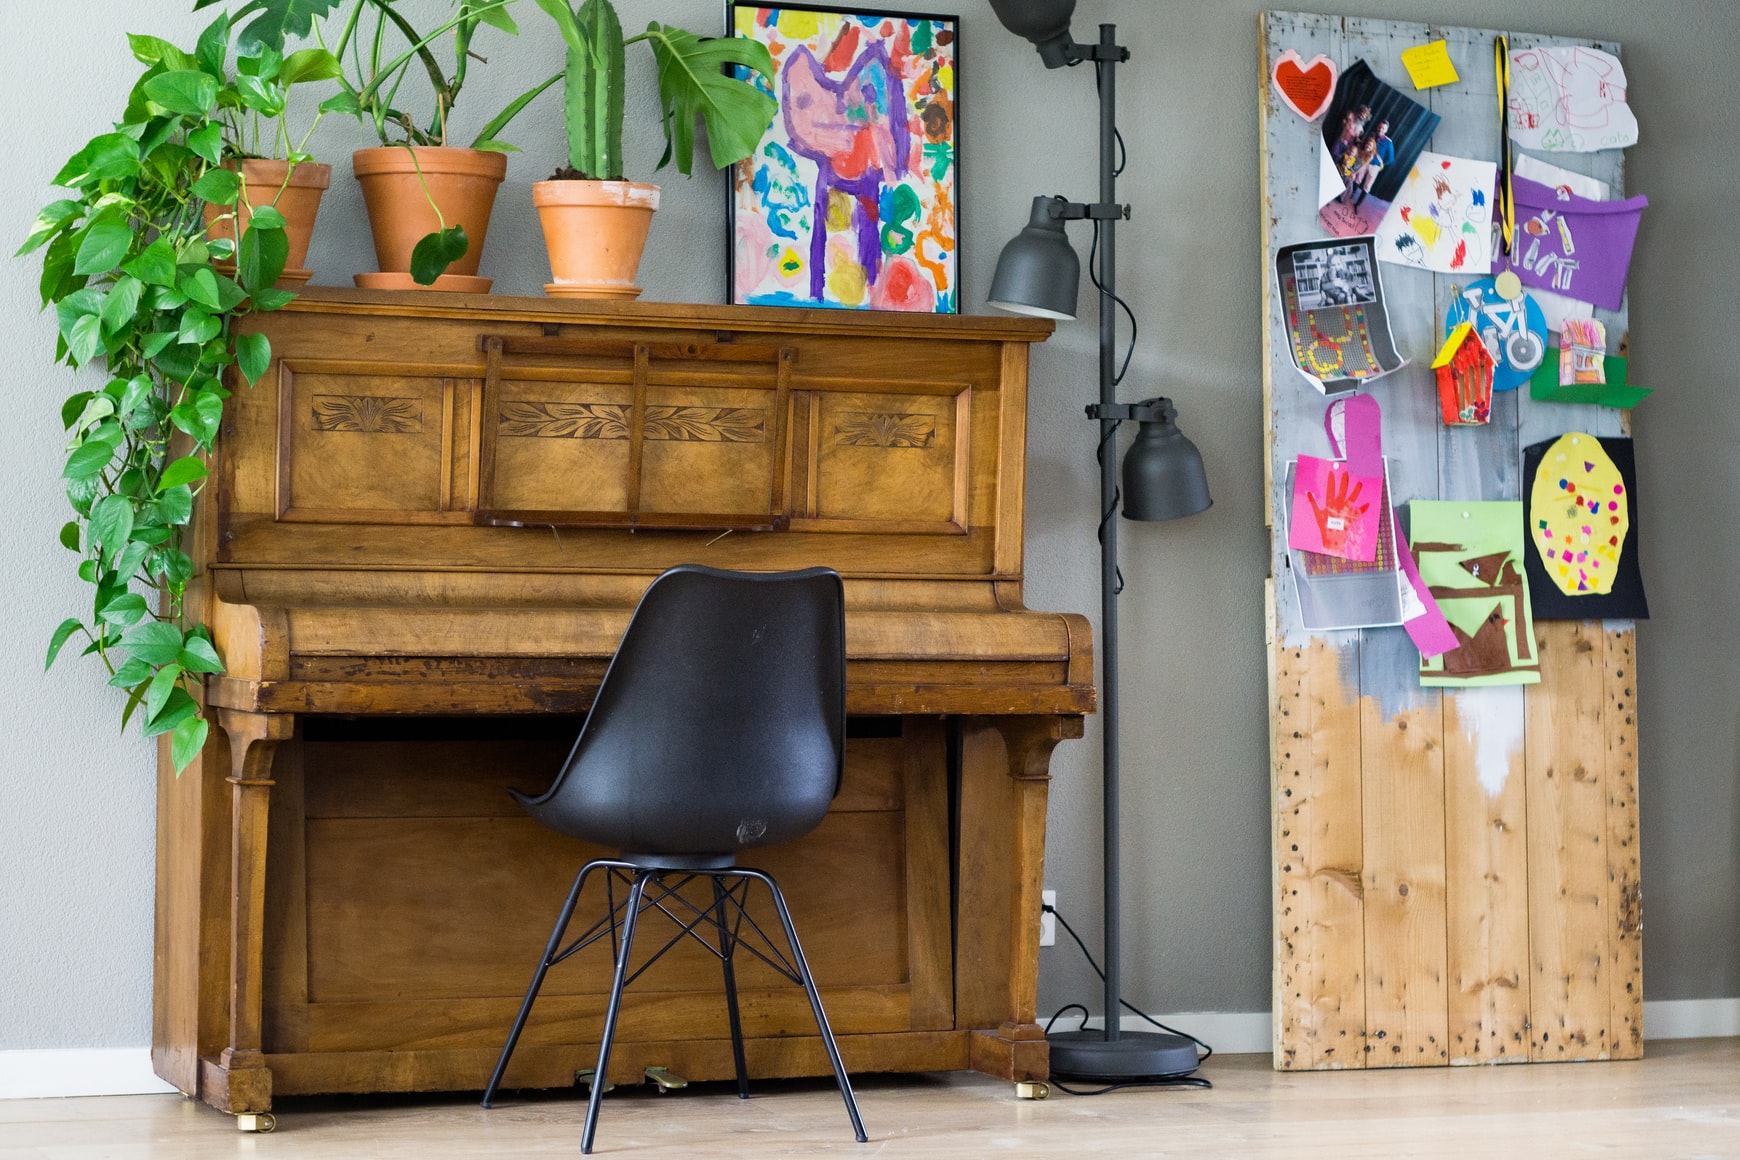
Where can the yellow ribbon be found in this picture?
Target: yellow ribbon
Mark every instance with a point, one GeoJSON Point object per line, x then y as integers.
{"type": "Point", "coordinates": [1506, 199]}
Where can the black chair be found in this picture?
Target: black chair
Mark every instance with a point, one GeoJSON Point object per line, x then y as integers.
{"type": "Point", "coordinates": [719, 727]}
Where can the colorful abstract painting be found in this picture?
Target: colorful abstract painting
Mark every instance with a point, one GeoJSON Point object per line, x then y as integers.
{"type": "Point", "coordinates": [850, 199]}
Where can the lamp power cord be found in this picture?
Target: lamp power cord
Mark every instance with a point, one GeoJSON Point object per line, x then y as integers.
{"type": "Point", "coordinates": [1159, 1081]}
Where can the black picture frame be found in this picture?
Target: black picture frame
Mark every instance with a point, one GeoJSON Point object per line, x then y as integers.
{"type": "Point", "coordinates": [955, 265]}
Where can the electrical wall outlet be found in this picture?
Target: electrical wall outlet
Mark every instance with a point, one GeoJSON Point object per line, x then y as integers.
{"type": "Point", "coordinates": [1047, 920]}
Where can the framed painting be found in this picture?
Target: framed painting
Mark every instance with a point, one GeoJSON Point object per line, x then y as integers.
{"type": "Point", "coordinates": [851, 200]}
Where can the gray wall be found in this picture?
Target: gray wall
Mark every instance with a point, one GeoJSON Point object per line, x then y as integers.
{"type": "Point", "coordinates": [75, 799]}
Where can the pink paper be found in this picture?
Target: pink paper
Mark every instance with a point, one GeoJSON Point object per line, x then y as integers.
{"type": "Point", "coordinates": [1335, 511]}
{"type": "Point", "coordinates": [1422, 617]}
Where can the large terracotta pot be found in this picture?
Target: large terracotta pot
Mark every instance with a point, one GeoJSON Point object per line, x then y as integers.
{"type": "Point", "coordinates": [294, 192]}
{"type": "Point", "coordinates": [595, 232]}
{"type": "Point", "coordinates": [461, 181]}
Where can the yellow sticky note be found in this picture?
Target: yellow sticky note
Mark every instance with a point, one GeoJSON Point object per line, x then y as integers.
{"type": "Point", "coordinates": [1429, 65]}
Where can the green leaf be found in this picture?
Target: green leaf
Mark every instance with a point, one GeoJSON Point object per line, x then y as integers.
{"type": "Point", "coordinates": [184, 470]}
{"type": "Point", "coordinates": [253, 356]}
{"type": "Point", "coordinates": [157, 693]}
{"type": "Point", "coordinates": [67, 627]}
{"type": "Point", "coordinates": [201, 287]}
{"type": "Point", "coordinates": [208, 412]}
{"type": "Point", "coordinates": [344, 102]}
{"type": "Point", "coordinates": [267, 217]}
{"type": "Point", "coordinates": [266, 64]}
{"type": "Point", "coordinates": [97, 408]}
{"type": "Point", "coordinates": [153, 50]}
{"type": "Point", "coordinates": [111, 522]}
{"type": "Point", "coordinates": [198, 656]}
{"type": "Point", "coordinates": [134, 696]}
{"type": "Point", "coordinates": [88, 460]}
{"type": "Point", "coordinates": [122, 303]}
{"type": "Point", "coordinates": [218, 185]}
{"type": "Point", "coordinates": [177, 707]}
{"type": "Point", "coordinates": [73, 408]}
{"type": "Point", "coordinates": [174, 506]}
{"type": "Point", "coordinates": [131, 673]}
{"type": "Point", "coordinates": [134, 554]}
{"type": "Point", "coordinates": [199, 327]}
{"type": "Point", "coordinates": [492, 146]}
{"type": "Point", "coordinates": [53, 218]}
{"type": "Point", "coordinates": [186, 742]}
{"type": "Point", "coordinates": [69, 536]}
{"type": "Point", "coordinates": [260, 258]}
{"type": "Point", "coordinates": [187, 91]}
{"type": "Point", "coordinates": [208, 142]}
{"type": "Point", "coordinates": [309, 64]}
{"type": "Point", "coordinates": [111, 157]}
{"type": "Point", "coordinates": [694, 81]}
{"type": "Point", "coordinates": [214, 46]}
{"type": "Point", "coordinates": [281, 20]}
{"type": "Point", "coordinates": [154, 265]}
{"type": "Point", "coordinates": [125, 610]}
{"type": "Point", "coordinates": [85, 339]}
{"type": "Point", "coordinates": [262, 96]}
{"type": "Point", "coordinates": [105, 244]}
{"type": "Point", "coordinates": [135, 392]}
{"type": "Point", "coordinates": [493, 13]}
{"type": "Point", "coordinates": [154, 343]}
{"type": "Point", "coordinates": [435, 252]}
{"type": "Point", "coordinates": [154, 642]}
{"type": "Point", "coordinates": [273, 299]}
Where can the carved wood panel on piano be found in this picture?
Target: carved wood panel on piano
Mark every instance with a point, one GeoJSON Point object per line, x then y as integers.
{"type": "Point", "coordinates": [432, 519]}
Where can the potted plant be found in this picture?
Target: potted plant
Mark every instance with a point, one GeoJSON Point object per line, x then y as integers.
{"type": "Point", "coordinates": [428, 202]}
{"type": "Point", "coordinates": [274, 169]}
{"type": "Point", "coordinates": [595, 223]}
{"type": "Point", "coordinates": [131, 269]}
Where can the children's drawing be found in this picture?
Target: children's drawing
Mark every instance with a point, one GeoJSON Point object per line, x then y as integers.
{"type": "Point", "coordinates": [1470, 556]}
{"type": "Point", "coordinates": [1371, 138]}
{"type": "Point", "coordinates": [1338, 326]}
{"type": "Point", "coordinates": [1556, 307]}
{"type": "Point", "coordinates": [1464, 369]}
{"type": "Point", "coordinates": [1614, 391]}
{"type": "Point", "coordinates": [1336, 512]}
{"type": "Point", "coordinates": [849, 200]}
{"type": "Point", "coordinates": [1571, 245]}
{"type": "Point", "coordinates": [1569, 100]}
{"type": "Point", "coordinates": [1514, 331]}
{"type": "Point", "coordinates": [1304, 86]}
{"type": "Point", "coordinates": [1582, 523]}
{"type": "Point", "coordinates": [1442, 217]}
{"type": "Point", "coordinates": [1582, 352]}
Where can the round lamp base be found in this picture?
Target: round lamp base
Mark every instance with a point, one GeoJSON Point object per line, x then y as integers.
{"type": "Point", "coordinates": [1134, 1055]}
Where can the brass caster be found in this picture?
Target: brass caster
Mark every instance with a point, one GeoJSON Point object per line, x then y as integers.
{"type": "Point", "coordinates": [665, 1079]}
{"type": "Point", "coordinates": [585, 1077]}
{"type": "Point", "coordinates": [1031, 1090]}
{"type": "Point", "coordinates": [256, 1122]}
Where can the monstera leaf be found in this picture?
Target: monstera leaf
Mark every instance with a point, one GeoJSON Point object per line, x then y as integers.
{"type": "Point", "coordinates": [693, 83]}
{"type": "Point", "coordinates": [276, 22]}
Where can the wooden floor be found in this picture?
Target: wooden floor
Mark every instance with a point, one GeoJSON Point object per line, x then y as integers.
{"type": "Point", "coordinates": [1681, 1103]}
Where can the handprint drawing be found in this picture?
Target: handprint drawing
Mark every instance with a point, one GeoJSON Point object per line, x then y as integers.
{"type": "Point", "coordinates": [1340, 523]}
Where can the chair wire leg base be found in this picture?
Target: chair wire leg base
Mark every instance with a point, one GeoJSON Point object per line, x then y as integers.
{"type": "Point", "coordinates": [601, 1073]}
{"type": "Point", "coordinates": [727, 945]}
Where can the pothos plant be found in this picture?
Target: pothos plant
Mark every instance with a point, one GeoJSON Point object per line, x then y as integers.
{"type": "Point", "coordinates": [130, 270]}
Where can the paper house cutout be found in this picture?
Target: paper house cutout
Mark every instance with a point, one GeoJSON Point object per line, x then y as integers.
{"type": "Point", "coordinates": [1464, 368]}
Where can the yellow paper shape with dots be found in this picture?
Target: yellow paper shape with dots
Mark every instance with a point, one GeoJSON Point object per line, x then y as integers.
{"type": "Point", "coordinates": [1579, 514]}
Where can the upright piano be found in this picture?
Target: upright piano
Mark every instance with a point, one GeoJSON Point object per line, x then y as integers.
{"type": "Point", "coordinates": [425, 531]}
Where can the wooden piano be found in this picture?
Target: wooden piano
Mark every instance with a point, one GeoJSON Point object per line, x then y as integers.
{"type": "Point", "coordinates": [427, 527]}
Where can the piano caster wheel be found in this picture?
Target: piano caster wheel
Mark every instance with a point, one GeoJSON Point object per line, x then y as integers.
{"type": "Point", "coordinates": [1032, 1090]}
{"type": "Point", "coordinates": [585, 1077]}
{"type": "Point", "coordinates": [666, 1081]}
{"type": "Point", "coordinates": [256, 1122]}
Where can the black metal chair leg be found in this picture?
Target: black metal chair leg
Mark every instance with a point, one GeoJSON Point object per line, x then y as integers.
{"type": "Point", "coordinates": [614, 1008]}
{"type": "Point", "coordinates": [727, 945]}
{"type": "Point", "coordinates": [550, 949]}
{"type": "Point", "coordinates": [809, 982]}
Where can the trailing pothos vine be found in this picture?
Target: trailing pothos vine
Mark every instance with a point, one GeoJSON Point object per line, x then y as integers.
{"type": "Point", "coordinates": [145, 295]}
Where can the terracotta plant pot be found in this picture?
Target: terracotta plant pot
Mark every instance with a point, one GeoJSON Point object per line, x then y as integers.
{"type": "Point", "coordinates": [461, 181]}
{"type": "Point", "coordinates": [294, 192]}
{"type": "Point", "coordinates": [595, 232]}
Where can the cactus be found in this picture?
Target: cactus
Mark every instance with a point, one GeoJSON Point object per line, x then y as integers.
{"type": "Point", "coordinates": [692, 84]}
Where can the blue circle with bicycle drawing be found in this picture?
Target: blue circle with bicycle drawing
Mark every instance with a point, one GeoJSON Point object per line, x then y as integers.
{"type": "Point", "coordinates": [1515, 332]}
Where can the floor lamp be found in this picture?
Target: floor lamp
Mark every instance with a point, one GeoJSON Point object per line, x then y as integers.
{"type": "Point", "coordinates": [1039, 273]}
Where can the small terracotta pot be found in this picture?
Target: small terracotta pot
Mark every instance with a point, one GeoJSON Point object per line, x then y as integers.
{"type": "Point", "coordinates": [595, 232]}
{"type": "Point", "coordinates": [462, 182]}
{"type": "Point", "coordinates": [294, 192]}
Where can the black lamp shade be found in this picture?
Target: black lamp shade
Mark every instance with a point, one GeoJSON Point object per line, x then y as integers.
{"type": "Point", "coordinates": [1038, 272]}
{"type": "Point", "coordinates": [1044, 22]}
{"type": "Point", "coordinates": [1163, 475]}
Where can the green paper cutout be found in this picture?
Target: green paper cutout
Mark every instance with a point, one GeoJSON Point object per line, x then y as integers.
{"type": "Point", "coordinates": [1471, 559]}
{"type": "Point", "coordinates": [1544, 386]}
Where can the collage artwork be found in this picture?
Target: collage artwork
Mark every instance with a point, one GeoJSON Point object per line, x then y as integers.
{"type": "Point", "coordinates": [1530, 251]}
{"type": "Point", "coordinates": [849, 200]}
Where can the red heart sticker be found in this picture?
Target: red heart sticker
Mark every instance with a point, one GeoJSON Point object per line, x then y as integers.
{"type": "Point", "coordinates": [1304, 87]}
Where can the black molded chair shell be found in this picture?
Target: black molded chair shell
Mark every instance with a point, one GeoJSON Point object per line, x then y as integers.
{"type": "Point", "coordinates": [720, 724]}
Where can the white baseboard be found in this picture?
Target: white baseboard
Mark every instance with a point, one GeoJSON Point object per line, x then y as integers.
{"type": "Point", "coordinates": [126, 1071]}
{"type": "Point", "coordinates": [1691, 1018]}
{"type": "Point", "coordinates": [91, 1071]}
